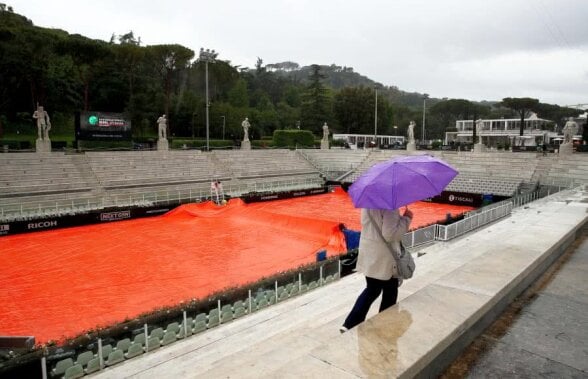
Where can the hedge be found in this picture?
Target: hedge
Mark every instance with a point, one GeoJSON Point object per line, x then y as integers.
{"type": "Point", "coordinates": [293, 138]}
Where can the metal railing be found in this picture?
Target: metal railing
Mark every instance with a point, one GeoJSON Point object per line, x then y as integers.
{"type": "Point", "coordinates": [447, 232]}
{"type": "Point", "coordinates": [492, 212]}
{"type": "Point", "coordinates": [193, 320]}
{"type": "Point", "coordinates": [420, 236]}
{"type": "Point", "coordinates": [59, 207]}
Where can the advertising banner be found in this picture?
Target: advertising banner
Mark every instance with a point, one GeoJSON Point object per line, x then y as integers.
{"type": "Point", "coordinates": [256, 197]}
{"type": "Point", "coordinates": [102, 126]}
{"type": "Point", "coordinates": [95, 217]}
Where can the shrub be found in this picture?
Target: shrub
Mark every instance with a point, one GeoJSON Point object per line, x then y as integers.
{"type": "Point", "coordinates": [293, 138]}
{"type": "Point", "coordinates": [338, 142]}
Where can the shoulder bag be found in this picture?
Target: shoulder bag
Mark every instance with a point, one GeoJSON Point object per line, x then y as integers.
{"type": "Point", "coordinates": [405, 262]}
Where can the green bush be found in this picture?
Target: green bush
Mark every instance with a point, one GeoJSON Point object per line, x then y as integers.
{"type": "Point", "coordinates": [58, 145]}
{"type": "Point", "coordinates": [293, 138]}
{"type": "Point", "coordinates": [338, 142]}
{"type": "Point", "coordinates": [105, 145]}
{"type": "Point", "coordinates": [178, 143]}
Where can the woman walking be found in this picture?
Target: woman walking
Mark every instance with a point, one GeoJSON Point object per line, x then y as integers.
{"type": "Point", "coordinates": [381, 234]}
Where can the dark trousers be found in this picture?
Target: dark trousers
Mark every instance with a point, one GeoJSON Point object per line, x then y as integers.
{"type": "Point", "coordinates": [389, 290]}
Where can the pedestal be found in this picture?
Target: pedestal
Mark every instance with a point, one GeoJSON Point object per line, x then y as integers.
{"type": "Point", "coordinates": [43, 145]}
{"type": "Point", "coordinates": [324, 145]}
{"type": "Point", "coordinates": [162, 144]}
{"type": "Point", "coordinates": [411, 146]}
{"type": "Point", "coordinates": [245, 145]}
{"type": "Point", "coordinates": [479, 148]}
{"type": "Point", "coordinates": [566, 149]}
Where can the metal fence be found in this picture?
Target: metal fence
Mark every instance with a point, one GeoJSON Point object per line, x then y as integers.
{"type": "Point", "coordinates": [183, 323]}
{"type": "Point", "coordinates": [477, 218]}
{"type": "Point", "coordinates": [18, 210]}
{"type": "Point", "coordinates": [447, 232]}
{"type": "Point", "coordinates": [420, 236]}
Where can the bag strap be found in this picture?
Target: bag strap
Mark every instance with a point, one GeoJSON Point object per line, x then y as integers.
{"type": "Point", "coordinates": [396, 258]}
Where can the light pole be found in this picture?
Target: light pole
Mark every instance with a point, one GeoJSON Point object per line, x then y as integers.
{"type": "Point", "coordinates": [207, 56]}
{"type": "Point", "coordinates": [425, 96]}
{"type": "Point", "coordinates": [193, 116]}
{"type": "Point", "coordinates": [223, 127]}
{"type": "Point", "coordinates": [376, 118]}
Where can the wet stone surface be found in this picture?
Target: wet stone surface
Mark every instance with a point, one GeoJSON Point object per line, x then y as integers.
{"type": "Point", "coordinates": [543, 333]}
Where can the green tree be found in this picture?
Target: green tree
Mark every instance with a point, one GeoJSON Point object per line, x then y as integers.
{"type": "Point", "coordinates": [238, 96]}
{"type": "Point", "coordinates": [129, 55]}
{"type": "Point", "coordinates": [169, 61]}
{"type": "Point", "coordinates": [292, 96]}
{"type": "Point", "coordinates": [87, 56]}
{"type": "Point", "coordinates": [287, 115]}
{"type": "Point", "coordinates": [556, 113]}
{"type": "Point", "coordinates": [354, 109]}
{"type": "Point", "coordinates": [521, 105]}
{"type": "Point", "coordinates": [315, 102]}
{"type": "Point", "coordinates": [459, 109]}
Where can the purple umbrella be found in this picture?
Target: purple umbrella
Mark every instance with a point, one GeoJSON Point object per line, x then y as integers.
{"type": "Point", "coordinates": [401, 181]}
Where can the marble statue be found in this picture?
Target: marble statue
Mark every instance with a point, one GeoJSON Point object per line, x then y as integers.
{"type": "Point", "coordinates": [246, 125]}
{"type": "Point", "coordinates": [162, 127]}
{"type": "Point", "coordinates": [325, 132]}
{"type": "Point", "coordinates": [411, 132]}
{"type": "Point", "coordinates": [43, 123]}
{"type": "Point", "coordinates": [569, 129]}
{"type": "Point", "coordinates": [479, 127]}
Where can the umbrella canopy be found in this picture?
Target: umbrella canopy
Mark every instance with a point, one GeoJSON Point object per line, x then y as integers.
{"type": "Point", "coordinates": [401, 181]}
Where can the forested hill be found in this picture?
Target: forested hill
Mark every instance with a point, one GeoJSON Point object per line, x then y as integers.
{"type": "Point", "coordinates": [68, 73]}
{"type": "Point", "coordinates": [338, 77]}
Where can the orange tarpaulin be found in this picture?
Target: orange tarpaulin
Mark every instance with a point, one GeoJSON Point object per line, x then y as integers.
{"type": "Point", "coordinates": [337, 206]}
{"type": "Point", "coordinates": [58, 283]}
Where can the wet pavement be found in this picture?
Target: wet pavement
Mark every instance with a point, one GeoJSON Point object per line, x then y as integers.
{"type": "Point", "coordinates": [544, 333]}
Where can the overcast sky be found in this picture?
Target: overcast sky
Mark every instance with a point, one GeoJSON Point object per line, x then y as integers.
{"type": "Point", "coordinates": [472, 49]}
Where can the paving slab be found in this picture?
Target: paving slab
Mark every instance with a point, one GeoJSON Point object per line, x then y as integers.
{"type": "Point", "coordinates": [543, 333]}
{"type": "Point", "coordinates": [508, 361]}
{"type": "Point", "coordinates": [553, 327]}
{"type": "Point", "coordinates": [399, 340]}
{"type": "Point", "coordinates": [571, 279]}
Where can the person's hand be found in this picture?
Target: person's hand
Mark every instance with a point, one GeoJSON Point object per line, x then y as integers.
{"type": "Point", "coordinates": [407, 212]}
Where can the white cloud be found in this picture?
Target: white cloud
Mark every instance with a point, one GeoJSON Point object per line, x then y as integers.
{"type": "Point", "coordinates": [476, 49]}
{"type": "Point", "coordinates": [551, 76]}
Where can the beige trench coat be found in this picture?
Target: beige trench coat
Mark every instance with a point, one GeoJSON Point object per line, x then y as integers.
{"type": "Point", "coordinates": [375, 259]}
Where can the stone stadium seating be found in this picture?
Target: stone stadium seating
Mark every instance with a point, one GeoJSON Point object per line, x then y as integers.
{"type": "Point", "coordinates": [493, 173]}
{"type": "Point", "coordinates": [30, 174]}
{"type": "Point", "coordinates": [567, 169]}
{"type": "Point", "coordinates": [265, 163]}
{"type": "Point", "coordinates": [374, 158]}
{"type": "Point", "coordinates": [500, 165]}
{"type": "Point", "coordinates": [126, 169]}
{"type": "Point", "coordinates": [33, 185]}
{"type": "Point", "coordinates": [476, 184]}
{"type": "Point", "coordinates": [333, 163]}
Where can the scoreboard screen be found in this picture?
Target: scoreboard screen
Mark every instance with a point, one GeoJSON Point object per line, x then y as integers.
{"type": "Point", "coordinates": [102, 126]}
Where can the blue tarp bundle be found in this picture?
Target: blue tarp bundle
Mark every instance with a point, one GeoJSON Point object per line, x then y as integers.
{"type": "Point", "coordinates": [351, 238]}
